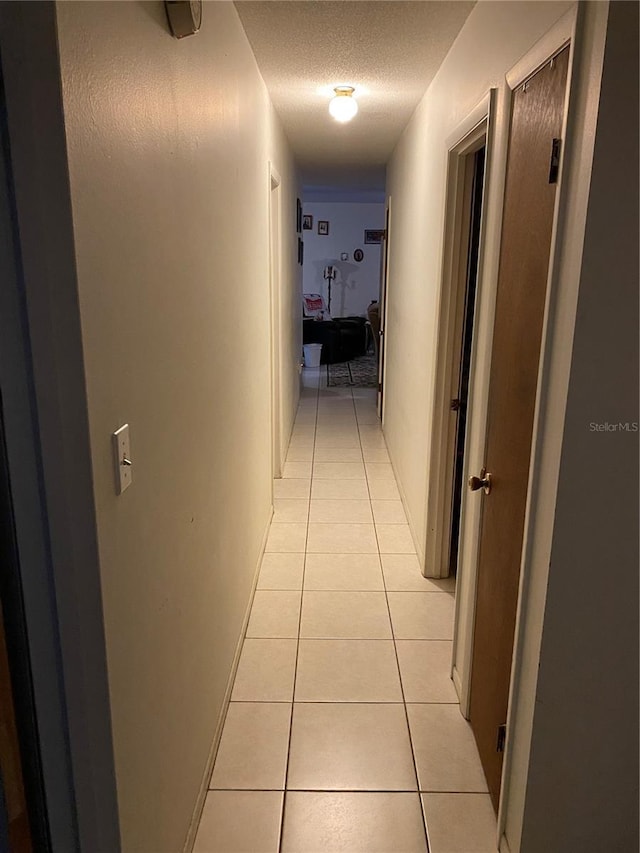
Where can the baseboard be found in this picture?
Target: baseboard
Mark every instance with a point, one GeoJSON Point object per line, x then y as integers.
{"type": "Point", "coordinates": [504, 845]}
{"type": "Point", "coordinates": [419, 548]}
{"type": "Point", "coordinates": [457, 682]}
{"type": "Point", "coordinates": [215, 743]}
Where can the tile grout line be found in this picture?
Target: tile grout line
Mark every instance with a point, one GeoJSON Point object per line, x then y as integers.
{"type": "Point", "coordinates": [353, 790]}
{"type": "Point", "coordinates": [376, 790]}
{"type": "Point", "coordinates": [404, 701]}
{"type": "Point", "coordinates": [245, 638]}
{"type": "Point", "coordinates": [257, 702]}
{"type": "Point", "coordinates": [333, 701]}
{"type": "Point", "coordinates": [295, 669]}
{"type": "Point", "coordinates": [393, 637]}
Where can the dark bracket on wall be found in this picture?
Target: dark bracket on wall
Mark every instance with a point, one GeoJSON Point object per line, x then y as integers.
{"type": "Point", "coordinates": [185, 17]}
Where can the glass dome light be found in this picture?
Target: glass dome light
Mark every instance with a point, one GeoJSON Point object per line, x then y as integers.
{"type": "Point", "coordinates": [343, 106]}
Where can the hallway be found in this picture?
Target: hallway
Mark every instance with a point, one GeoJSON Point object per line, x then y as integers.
{"type": "Point", "coordinates": [154, 193]}
{"type": "Point", "coordinates": [343, 697]}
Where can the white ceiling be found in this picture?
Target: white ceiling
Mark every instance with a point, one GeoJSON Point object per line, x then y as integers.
{"type": "Point", "coordinates": [390, 52]}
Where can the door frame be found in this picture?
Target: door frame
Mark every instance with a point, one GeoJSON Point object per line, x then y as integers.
{"type": "Point", "coordinates": [384, 288]}
{"type": "Point", "coordinates": [48, 448]}
{"type": "Point", "coordinates": [562, 33]}
{"type": "Point", "coordinates": [470, 135]}
{"type": "Point", "coordinates": [275, 277]}
{"type": "Point", "coordinates": [584, 28]}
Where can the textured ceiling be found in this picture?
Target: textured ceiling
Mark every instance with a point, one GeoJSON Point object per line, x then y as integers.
{"type": "Point", "coordinates": [390, 52]}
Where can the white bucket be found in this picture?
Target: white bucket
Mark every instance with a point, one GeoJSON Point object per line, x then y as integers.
{"type": "Point", "coordinates": [312, 354]}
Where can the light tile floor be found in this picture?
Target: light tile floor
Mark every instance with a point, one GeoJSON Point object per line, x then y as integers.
{"type": "Point", "coordinates": [343, 732]}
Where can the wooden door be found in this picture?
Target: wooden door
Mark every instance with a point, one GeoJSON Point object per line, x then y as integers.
{"type": "Point", "coordinates": [536, 125]}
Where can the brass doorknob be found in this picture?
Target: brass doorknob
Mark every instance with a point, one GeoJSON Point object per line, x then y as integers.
{"type": "Point", "coordinates": [481, 482]}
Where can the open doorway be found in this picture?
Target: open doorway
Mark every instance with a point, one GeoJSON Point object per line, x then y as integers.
{"type": "Point", "coordinates": [23, 820]}
{"type": "Point", "coordinates": [475, 167]}
{"type": "Point", "coordinates": [461, 263]}
{"type": "Point", "coordinates": [38, 794]}
{"type": "Point", "coordinates": [379, 333]}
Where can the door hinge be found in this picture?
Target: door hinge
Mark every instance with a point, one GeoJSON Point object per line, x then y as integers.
{"type": "Point", "coordinates": [502, 736]}
{"type": "Point", "coordinates": [379, 386]}
{"type": "Point", "coordinates": [554, 165]}
{"type": "Point", "coordinates": [454, 405]}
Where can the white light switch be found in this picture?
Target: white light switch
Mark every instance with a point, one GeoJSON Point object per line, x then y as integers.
{"type": "Point", "coordinates": [122, 458]}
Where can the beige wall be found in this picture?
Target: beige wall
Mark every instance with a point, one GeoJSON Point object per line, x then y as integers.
{"type": "Point", "coordinates": [491, 41]}
{"type": "Point", "coordinates": [169, 144]}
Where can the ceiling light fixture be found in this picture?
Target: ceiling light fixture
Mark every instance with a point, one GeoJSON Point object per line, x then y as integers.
{"type": "Point", "coordinates": [343, 106]}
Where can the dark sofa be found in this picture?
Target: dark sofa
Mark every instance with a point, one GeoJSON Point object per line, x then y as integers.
{"type": "Point", "coordinates": [342, 339]}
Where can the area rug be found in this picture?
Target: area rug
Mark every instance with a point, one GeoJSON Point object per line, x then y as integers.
{"type": "Point", "coordinates": [360, 372]}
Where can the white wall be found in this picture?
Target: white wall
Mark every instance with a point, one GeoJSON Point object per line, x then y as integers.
{"type": "Point", "coordinates": [169, 144]}
{"type": "Point", "coordinates": [357, 284]}
{"type": "Point", "coordinates": [491, 41]}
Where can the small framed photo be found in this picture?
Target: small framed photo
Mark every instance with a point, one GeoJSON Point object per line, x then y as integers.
{"type": "Point", "coordinates": [323, 227]}
{"type": "Point", "coordinates": [300, 251]}
{"type": "Point", "coordinates": [344, 256]}
{"type": "Point", "coordinates": [358, 255]}
{"type": "Point", "coordinates": [307, 222]}
{"type": "Point", "coordinates": [374, 236]}
{"type": "Point", "coordinates": [298, 216]}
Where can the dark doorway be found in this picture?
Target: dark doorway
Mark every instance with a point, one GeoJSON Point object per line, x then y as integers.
{"type": "Point", "coordinates": [459, 403]}
{"type": "Point", "coordinates": [23, 821]}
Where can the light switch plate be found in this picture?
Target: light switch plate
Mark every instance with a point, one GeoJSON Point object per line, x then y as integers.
{"type": "Point", "coordinates": [122, 451]}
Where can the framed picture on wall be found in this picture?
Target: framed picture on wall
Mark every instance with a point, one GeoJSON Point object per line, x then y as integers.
{"type": "Point", "coordinates": [374, 236]}
{"type": "Point", "coordinates": [300, 251]}
{"type": "Point", "coordinates": [307, 222]}
{"type": "Point", "coordinates": [323, 227]}
{"type": "Point", "coordinates": [298, 216]}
